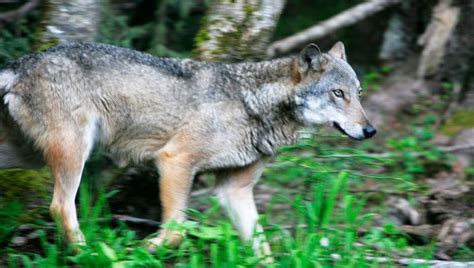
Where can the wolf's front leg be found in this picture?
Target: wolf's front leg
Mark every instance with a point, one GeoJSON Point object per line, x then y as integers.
{"type": "Point", "coordinates": [66, 155]}
{"type": "Point", "coordinates": [175, 183]}
{"type": "Point", "coordinates": [235, 193]}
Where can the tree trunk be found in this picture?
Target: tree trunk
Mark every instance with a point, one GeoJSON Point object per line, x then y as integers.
{"type": "Point", "coordinates": [403, 30]}
{"type": "Point", "coordinates": [70, 21]}
{"type": "Point", "coordinates": [447, 41]}
{"type": "Point", "coordinates": [434, 40]}
{"type": "Point", "coordinates": [458, 62]}
{"type": "Point", "coordinates": [237, 30]}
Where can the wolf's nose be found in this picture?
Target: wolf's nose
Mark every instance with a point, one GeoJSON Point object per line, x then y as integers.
{"type": "Point", "coordinates": [369, 132]}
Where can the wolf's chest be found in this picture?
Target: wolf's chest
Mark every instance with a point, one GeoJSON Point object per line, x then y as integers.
{"type": "Point", "coordinates": [230, 159]}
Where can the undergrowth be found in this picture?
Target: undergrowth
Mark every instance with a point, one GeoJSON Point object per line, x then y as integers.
{"type": "Point", "coordinates": [314, 219]}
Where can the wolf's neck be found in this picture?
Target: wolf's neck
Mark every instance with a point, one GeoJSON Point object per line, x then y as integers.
{"type": "Point", "coordinates": [271, 71]}
{"type": "Point", "coordinates": [268, 96]}
{"type": "Point", "coordinates": [265, 86]}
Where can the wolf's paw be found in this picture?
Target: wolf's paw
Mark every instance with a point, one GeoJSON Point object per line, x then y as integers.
{"type": "Point", "coordinates": [170, 238]}
{"type": "Point", "coordinates": [76, 239]}
{"type": "Point", "coordinates": [262, 250]}
{"type": "Point", "coordinates": [267, 261]}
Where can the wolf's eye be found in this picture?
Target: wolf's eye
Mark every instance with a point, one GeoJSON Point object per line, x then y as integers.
{"type": "Point", "coordinates": [339, 93]}
{"type": "Point", "coordinates": [360, 92]}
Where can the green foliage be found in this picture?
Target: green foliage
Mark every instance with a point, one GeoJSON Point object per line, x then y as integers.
{"type": "Point", "coordinates": [172, 26]}
{"type": "Point", "coordinates": [398, 162]}
{"type": "Point", "coordinates": [17, 39]}
{"type": "Point", "coordinates": [202, 36]}
{"type": "Point", "coordinates": [327, 227]}
{"type": "Point", "coordinates": [325, 224]}
{"type": "Point", "coordinates": [416, 154]}
{"type": "Point", "coordinates": [211, 243]}
{"type": "Point", "coordinates": [371, 81]}
{"type": "Point", "coordinates": [114, 28]}
{"type": "Point", "coordinates": [10, 214]}
{"type": "Point", "coordinates": [168, 27]}
{"type": "Point", "coordinates": [24, 185]}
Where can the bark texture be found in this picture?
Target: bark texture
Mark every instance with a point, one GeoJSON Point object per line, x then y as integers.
{"type": "Point", "coordinates": [403, 29]}
{"type": "Point", "coordinates": [70, 20]}
{"type": "Point", "coordinates": [435, 39]}
{"type": "Point", "coordinates": [237, 30]}
{"type": "Point", "coordinates": [458, 62]}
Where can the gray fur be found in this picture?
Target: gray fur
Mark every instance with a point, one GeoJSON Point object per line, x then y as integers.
{"type": "Point", "coordinates": [136, 102]}
{"type": "Point", "coordinates": [188, 117]}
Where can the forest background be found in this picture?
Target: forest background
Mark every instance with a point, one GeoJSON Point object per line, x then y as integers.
{"type": "Point", "coordinates": [403, 198]}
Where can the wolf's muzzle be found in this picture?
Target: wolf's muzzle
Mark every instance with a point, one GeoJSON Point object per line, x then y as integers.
{"type": "Point", "coordinates": [338, 127]}
{"type": "Point", "coordinates": [369, 131]}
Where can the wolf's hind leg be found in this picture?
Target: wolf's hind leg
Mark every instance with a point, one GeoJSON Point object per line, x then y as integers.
{"type": "Point", "coordinates": [66, 153]}
{"type": "Point", "coordinates": [176, 178]}
{"type": "Point", "coordinates": [235, 193]}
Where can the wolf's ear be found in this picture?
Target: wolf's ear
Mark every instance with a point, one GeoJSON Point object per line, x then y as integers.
{"type": "Point", "coordinates": [311, 56]}
{"type": "Point", "coordinates": [338, 51]}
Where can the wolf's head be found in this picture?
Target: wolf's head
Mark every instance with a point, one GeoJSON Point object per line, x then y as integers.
{"type": "Point", "coordinates": [328, 92]}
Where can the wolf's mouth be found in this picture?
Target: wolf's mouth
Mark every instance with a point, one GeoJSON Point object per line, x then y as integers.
{"type": "Point", "coordinates": [338, 127]}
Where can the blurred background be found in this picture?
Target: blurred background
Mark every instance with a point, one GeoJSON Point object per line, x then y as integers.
{"type": "Point", "coordinates": [405, 195]}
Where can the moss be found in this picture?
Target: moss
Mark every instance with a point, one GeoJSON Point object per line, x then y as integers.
{"type": "Point", "coordinates": [24, 198]}
{"type": "Point", "coordinates": [227, 42]}
{"type": "Point", "coordinates": [460, 120]}
{"type": "Point", "coordinates": [46, 45]}
{"type": "Point", "coordinates": [202, 36]}
{"type": "Point", "coordinates": [234, 45]}
{"type": "Point", "coordinates": [24, 185]}
{"type": "Point", "coordinates": [229, 45]}
{"type": "Point", "coordinates": [40, 41]}
{"type": "Point", "coordinates": [249, 9]}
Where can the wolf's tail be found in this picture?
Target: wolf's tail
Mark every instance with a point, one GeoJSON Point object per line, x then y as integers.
{"type": "Point", "coordinates": [8, 79]}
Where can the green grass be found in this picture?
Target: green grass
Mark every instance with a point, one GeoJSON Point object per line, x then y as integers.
{"type": "Point", "coordinates": [215, 244]}
{"type": "Point", "coordinates": [323, 222]}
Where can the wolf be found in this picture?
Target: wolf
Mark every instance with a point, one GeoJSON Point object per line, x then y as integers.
{"type": "Point", "coordinates": [187, 117]}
